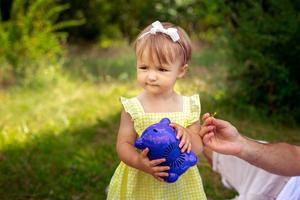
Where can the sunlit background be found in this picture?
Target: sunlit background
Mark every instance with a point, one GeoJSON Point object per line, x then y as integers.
{"type": "Point", "coordinates": [64, 65]}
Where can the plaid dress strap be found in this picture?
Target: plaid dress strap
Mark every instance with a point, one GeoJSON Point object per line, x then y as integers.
{"type": "Point", "coordinates": [193, 109]}
{"type": "Point", "coordinates": [132, 107]}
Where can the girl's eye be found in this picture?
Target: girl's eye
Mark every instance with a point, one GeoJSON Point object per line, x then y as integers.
{"type": "Point", "coordinates": [163, 70]}
{"type": "Point", "coordinates": [143, 68]}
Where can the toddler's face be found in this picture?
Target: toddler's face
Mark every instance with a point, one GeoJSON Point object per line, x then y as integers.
{"type": "Point", "coordinates": [157, 78]}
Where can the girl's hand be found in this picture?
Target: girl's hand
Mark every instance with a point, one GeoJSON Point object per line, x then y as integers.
{"type": "Point", "coordinates": [185, 139]}
{"type": "Point", "coordinates": [151, 166]}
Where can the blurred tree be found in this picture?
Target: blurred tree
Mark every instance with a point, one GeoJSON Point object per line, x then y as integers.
{"type": "Point", "coordinates": [29, 36]}
{"type": "Point", "coordinates": [119, 19]}
{"type": "Point", "coordinates": [265, 38]}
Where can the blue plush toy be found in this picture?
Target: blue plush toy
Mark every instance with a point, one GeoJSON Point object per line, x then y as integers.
{"type": "Point", "coordinates": [161, 140]}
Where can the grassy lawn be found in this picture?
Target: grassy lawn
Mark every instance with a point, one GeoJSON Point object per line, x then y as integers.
{"type": "Point", "coordinates": [58, 141]}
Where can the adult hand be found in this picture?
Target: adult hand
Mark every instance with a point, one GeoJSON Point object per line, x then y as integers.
{"type": "Point", "coordinates": [220, 136]}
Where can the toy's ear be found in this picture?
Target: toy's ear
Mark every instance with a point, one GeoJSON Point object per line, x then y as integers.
{"type": "Point", "coordinates": [139, 144]}
{"type": "Point", "coordinates": [165, 121]}
{"type": "Point", "coordinates": [172, 178]}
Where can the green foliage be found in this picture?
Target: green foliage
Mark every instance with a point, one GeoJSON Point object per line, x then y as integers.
{"type": "Point", "coordinates": [264, 38]}
{"type": "Point", "coordinates": [29, 39]}
{"type": "Point", "coordinates": [111, 20]}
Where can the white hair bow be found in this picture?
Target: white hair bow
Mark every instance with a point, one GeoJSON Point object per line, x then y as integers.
{"type": "Point", "coordinates": [158, 27]}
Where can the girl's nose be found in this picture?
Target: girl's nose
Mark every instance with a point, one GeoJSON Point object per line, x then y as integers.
{"type": "Point", "coordinates": [152, 76]}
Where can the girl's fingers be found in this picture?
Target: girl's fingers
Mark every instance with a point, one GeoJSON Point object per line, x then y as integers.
{"type": "Point", "coordinates": [161, 168]}
{"type": "Point", "coordinates": [179, 133]}
{"type": "Point", "coordinates": [161, 174]}
{"type": "Point", "coordinates": [178, 129]}
{"type": "Point", "coordinates": [182, 141]}
{"type": "Point", "coordinates": [145, 152]}
{"type": "Point", "coordinates": [157, 162]}
{"type": "Point", "coordinates": [189, 148]}
{"type": "Point", "coordinates": [174, 125]}
{"type": "Point", "coordinates": [159, 179]}
{"type": "Point", "coordinates": [182, 135]}
{"type": "Point", "coordinates": [185, 147]}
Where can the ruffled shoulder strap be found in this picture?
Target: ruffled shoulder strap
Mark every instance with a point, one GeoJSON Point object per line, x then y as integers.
{"type": "Point", "coordinates": [194, 108]}
{"type": "Point", "coordinates": [131, 106]}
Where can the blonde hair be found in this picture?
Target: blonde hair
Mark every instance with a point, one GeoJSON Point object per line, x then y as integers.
{"type": "Point", "coordinates": [162, 48]}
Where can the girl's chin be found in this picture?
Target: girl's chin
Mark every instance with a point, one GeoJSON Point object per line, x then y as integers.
{"type": "Point", "coordinates": [153, 90]}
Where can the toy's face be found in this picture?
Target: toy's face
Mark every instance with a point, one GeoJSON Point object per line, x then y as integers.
{"type": "Point", "coordinates": [161, 140]}
{"type": "Point", "coordinates": [157, 135]}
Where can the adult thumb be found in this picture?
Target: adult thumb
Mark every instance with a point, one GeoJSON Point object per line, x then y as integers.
{"type": "Point", "coordinates": [220, 124]}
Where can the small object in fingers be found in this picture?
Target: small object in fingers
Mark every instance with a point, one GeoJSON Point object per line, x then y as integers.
{"type": "Point", "coordinates": [214, 114]}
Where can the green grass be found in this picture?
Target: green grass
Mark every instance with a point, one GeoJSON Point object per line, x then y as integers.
{"type": "Point", "coordinates": [57, 141]}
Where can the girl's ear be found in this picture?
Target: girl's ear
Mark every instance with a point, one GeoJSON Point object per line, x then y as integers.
{"type": "Point", "coordinates": [182, 70]}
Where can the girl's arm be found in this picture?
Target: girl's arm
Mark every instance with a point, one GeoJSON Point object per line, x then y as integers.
{"type": "Point", "coordinates": [197, 145]}
{"type": "Point", "coordinates": [128, 154]}
{"type": "Point", "coordinates": [125, 141]}
{"type": "Point", "coordinates": [189, 139]}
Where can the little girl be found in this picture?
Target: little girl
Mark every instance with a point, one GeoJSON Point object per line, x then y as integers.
{"type": "Point", "coordinates": [162, 52]}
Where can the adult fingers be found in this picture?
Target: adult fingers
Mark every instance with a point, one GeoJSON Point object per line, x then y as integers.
{"type": "Point", "coordinates": [221, 123]}
{"type": "Point", "coordinates": [208, 121]}
{"type": "Point", "coordinates": [206, 129]}
{"type": "Point", "coordinates": [207, 138]}
{"type": "Point", "coordinates": [205, 116]}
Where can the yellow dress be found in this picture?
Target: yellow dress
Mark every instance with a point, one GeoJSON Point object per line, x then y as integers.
{"type": "Point", "coordinates": [130, 183]}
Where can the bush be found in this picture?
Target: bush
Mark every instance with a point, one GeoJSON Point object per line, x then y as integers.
{"type": "Point", "coordinates": [264, 38]}
{"type": "Point", "coordinates": [30, 37]}
{"type": "Point", "coordinates": [108, 20]}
